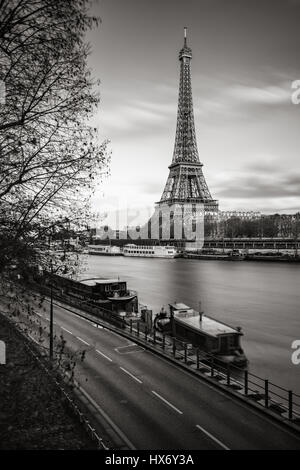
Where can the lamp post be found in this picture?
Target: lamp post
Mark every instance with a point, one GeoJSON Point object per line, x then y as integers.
{"type": "Point", "coordinates": [51, 314]}
{"type": "Point", "coordinates": [51, 307]}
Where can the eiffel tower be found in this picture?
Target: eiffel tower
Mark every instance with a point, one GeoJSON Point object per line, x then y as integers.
{"type": "Point", "coordinates": [186, 189]}
{"type": "Point", "coordinates": [186, 182]}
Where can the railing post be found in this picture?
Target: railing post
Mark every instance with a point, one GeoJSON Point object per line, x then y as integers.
{"type": "Point", "coordinates": [212, 367]}
{"type": "Point", "coordinates": [266, 393]}
{"type": "Point", "coordinates": [246, 382]}
{"type": "Point", "coordinates": [138, 328]}
{"type": "Point", "coordinates": [131, 325]}
{"type": "Point", "coordinates": [185, 352]}
{"type": "Point", "coordinates": [198, 359]}
{"type": "Point", "coordinates": [228, 375]}
{"type": "Point", "coordinates": [146, 333]}
{"type": "Point", "coordinates": [164, 341]}
{"type": "Point", "coordinates": [290, 404]}
{"type": "Point", "coordinates": [154, 337]}
{"type": "Point", "coordinates": [174, 347]}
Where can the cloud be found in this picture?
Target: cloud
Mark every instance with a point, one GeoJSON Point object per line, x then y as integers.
{"type": "Point", "coordinates": [137, 117]}
{"type": "Point", "coordinates": [268, 95]}
{"type": "Point", "coordinates": [223, 97]}
{"type": "Point", "coordinates": [153, 107]}
{"type": "Point", "coordinates": [260, 181]}
{"type": "Point", "coordinates": [265, 185]}
{"type": "Point", "coordinates": [132, 118]}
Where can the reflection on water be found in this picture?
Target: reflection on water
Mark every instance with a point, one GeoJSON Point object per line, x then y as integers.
{"type": "Point", "coordinates": [262, 298]}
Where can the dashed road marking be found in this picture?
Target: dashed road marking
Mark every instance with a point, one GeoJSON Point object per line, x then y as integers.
{"type": "Point", "coordinates": [82, 340]}
{"type": "Point", "coordinates": [65, 329]}
{"type": "Point", "coordinates": [212, 437]}
{"type": "Point", "coordinates": [131, 375]}
{"type": "Point", "coordinates": [167, 402]}
{"type": "Point", "coordinates": [104, 355]}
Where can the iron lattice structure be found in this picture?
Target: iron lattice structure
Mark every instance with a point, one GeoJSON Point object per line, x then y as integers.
{"type": "Point", "coordinates": [186, 182]}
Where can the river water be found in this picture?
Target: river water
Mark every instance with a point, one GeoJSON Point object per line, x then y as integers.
{"type": "Point", "coordinates": [263, 298]}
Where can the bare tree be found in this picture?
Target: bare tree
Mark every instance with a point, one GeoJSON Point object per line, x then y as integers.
{"type": "Point", "coordinates": [49, 154]}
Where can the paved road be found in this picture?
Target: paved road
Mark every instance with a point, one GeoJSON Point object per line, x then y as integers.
{"type": "Point", "coordinates": [156, 404]}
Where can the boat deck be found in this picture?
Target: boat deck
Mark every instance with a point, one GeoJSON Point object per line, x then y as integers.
{"type": "Point", "coordinates": [205, 324]}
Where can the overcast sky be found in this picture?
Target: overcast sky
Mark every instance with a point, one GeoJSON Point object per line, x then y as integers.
{"type": "Point", "coordinates": [245, 58]}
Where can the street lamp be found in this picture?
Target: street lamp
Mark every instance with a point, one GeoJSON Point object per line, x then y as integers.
{"type": "Point", "coordinates": [51, 313]}
{"type": "Point", "coordinates": [52, 271]}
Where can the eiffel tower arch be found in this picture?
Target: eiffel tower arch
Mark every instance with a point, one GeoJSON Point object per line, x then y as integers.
{"type": "Point", "coordinates": [186, 199]}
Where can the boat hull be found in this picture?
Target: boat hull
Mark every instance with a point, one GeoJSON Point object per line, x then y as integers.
{"type": "Point", "coordinates": [148, 256]}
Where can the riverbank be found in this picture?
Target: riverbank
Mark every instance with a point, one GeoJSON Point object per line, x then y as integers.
{"type": "Point", "coordinates": [237, 255]}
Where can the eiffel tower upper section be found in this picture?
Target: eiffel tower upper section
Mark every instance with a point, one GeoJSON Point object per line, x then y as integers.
{"type": "Point", "coordinates": [186, 182]}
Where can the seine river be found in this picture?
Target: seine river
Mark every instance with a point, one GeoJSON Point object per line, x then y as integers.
{"type": "Point", "coordinates": [263, 298]}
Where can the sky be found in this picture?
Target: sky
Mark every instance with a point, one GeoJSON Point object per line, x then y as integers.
{"type": "Point", "coordinates": [245, 59]}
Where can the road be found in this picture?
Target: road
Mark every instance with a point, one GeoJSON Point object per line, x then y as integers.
{"type": "Point", "coordinates": [154, 403]}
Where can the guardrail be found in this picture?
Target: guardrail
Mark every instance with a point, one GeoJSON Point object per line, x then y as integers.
{"type": "Point", "coordinates": [283, 402]}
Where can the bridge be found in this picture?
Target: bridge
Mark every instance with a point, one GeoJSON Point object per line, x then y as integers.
{"type": "Point", "coordinates": [254, 244]}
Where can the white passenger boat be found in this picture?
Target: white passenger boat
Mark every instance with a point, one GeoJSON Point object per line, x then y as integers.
{"type": "Point", "coordinates": [149, 251]}
{"type": "Point", "coordinates": [104, 250]}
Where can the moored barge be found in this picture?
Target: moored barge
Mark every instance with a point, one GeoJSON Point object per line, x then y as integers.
{"type": "Point", "coordinates": [203, 332]}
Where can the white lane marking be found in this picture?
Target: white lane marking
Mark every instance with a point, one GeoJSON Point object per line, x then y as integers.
{"type": "Point", "coordinates": [124, 349]}
{"type": "Point", "coordinates": [82, 340]}
{"type": "Point", "coordinates": [106, 357]}
{"type": "Point", "coordinates": [212, 437]}
{"type": "Point", "coordinates": [65, 329]}
{"type": "Point", "coordinates": [167, 402]}
{"type": "Point", "coordinates": [131, 375]}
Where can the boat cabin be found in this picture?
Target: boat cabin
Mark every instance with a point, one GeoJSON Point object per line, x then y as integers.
{"type": "Point", "coordinates": [108, 293]}
{"type": "Point", "coordinates": [203, 331]}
